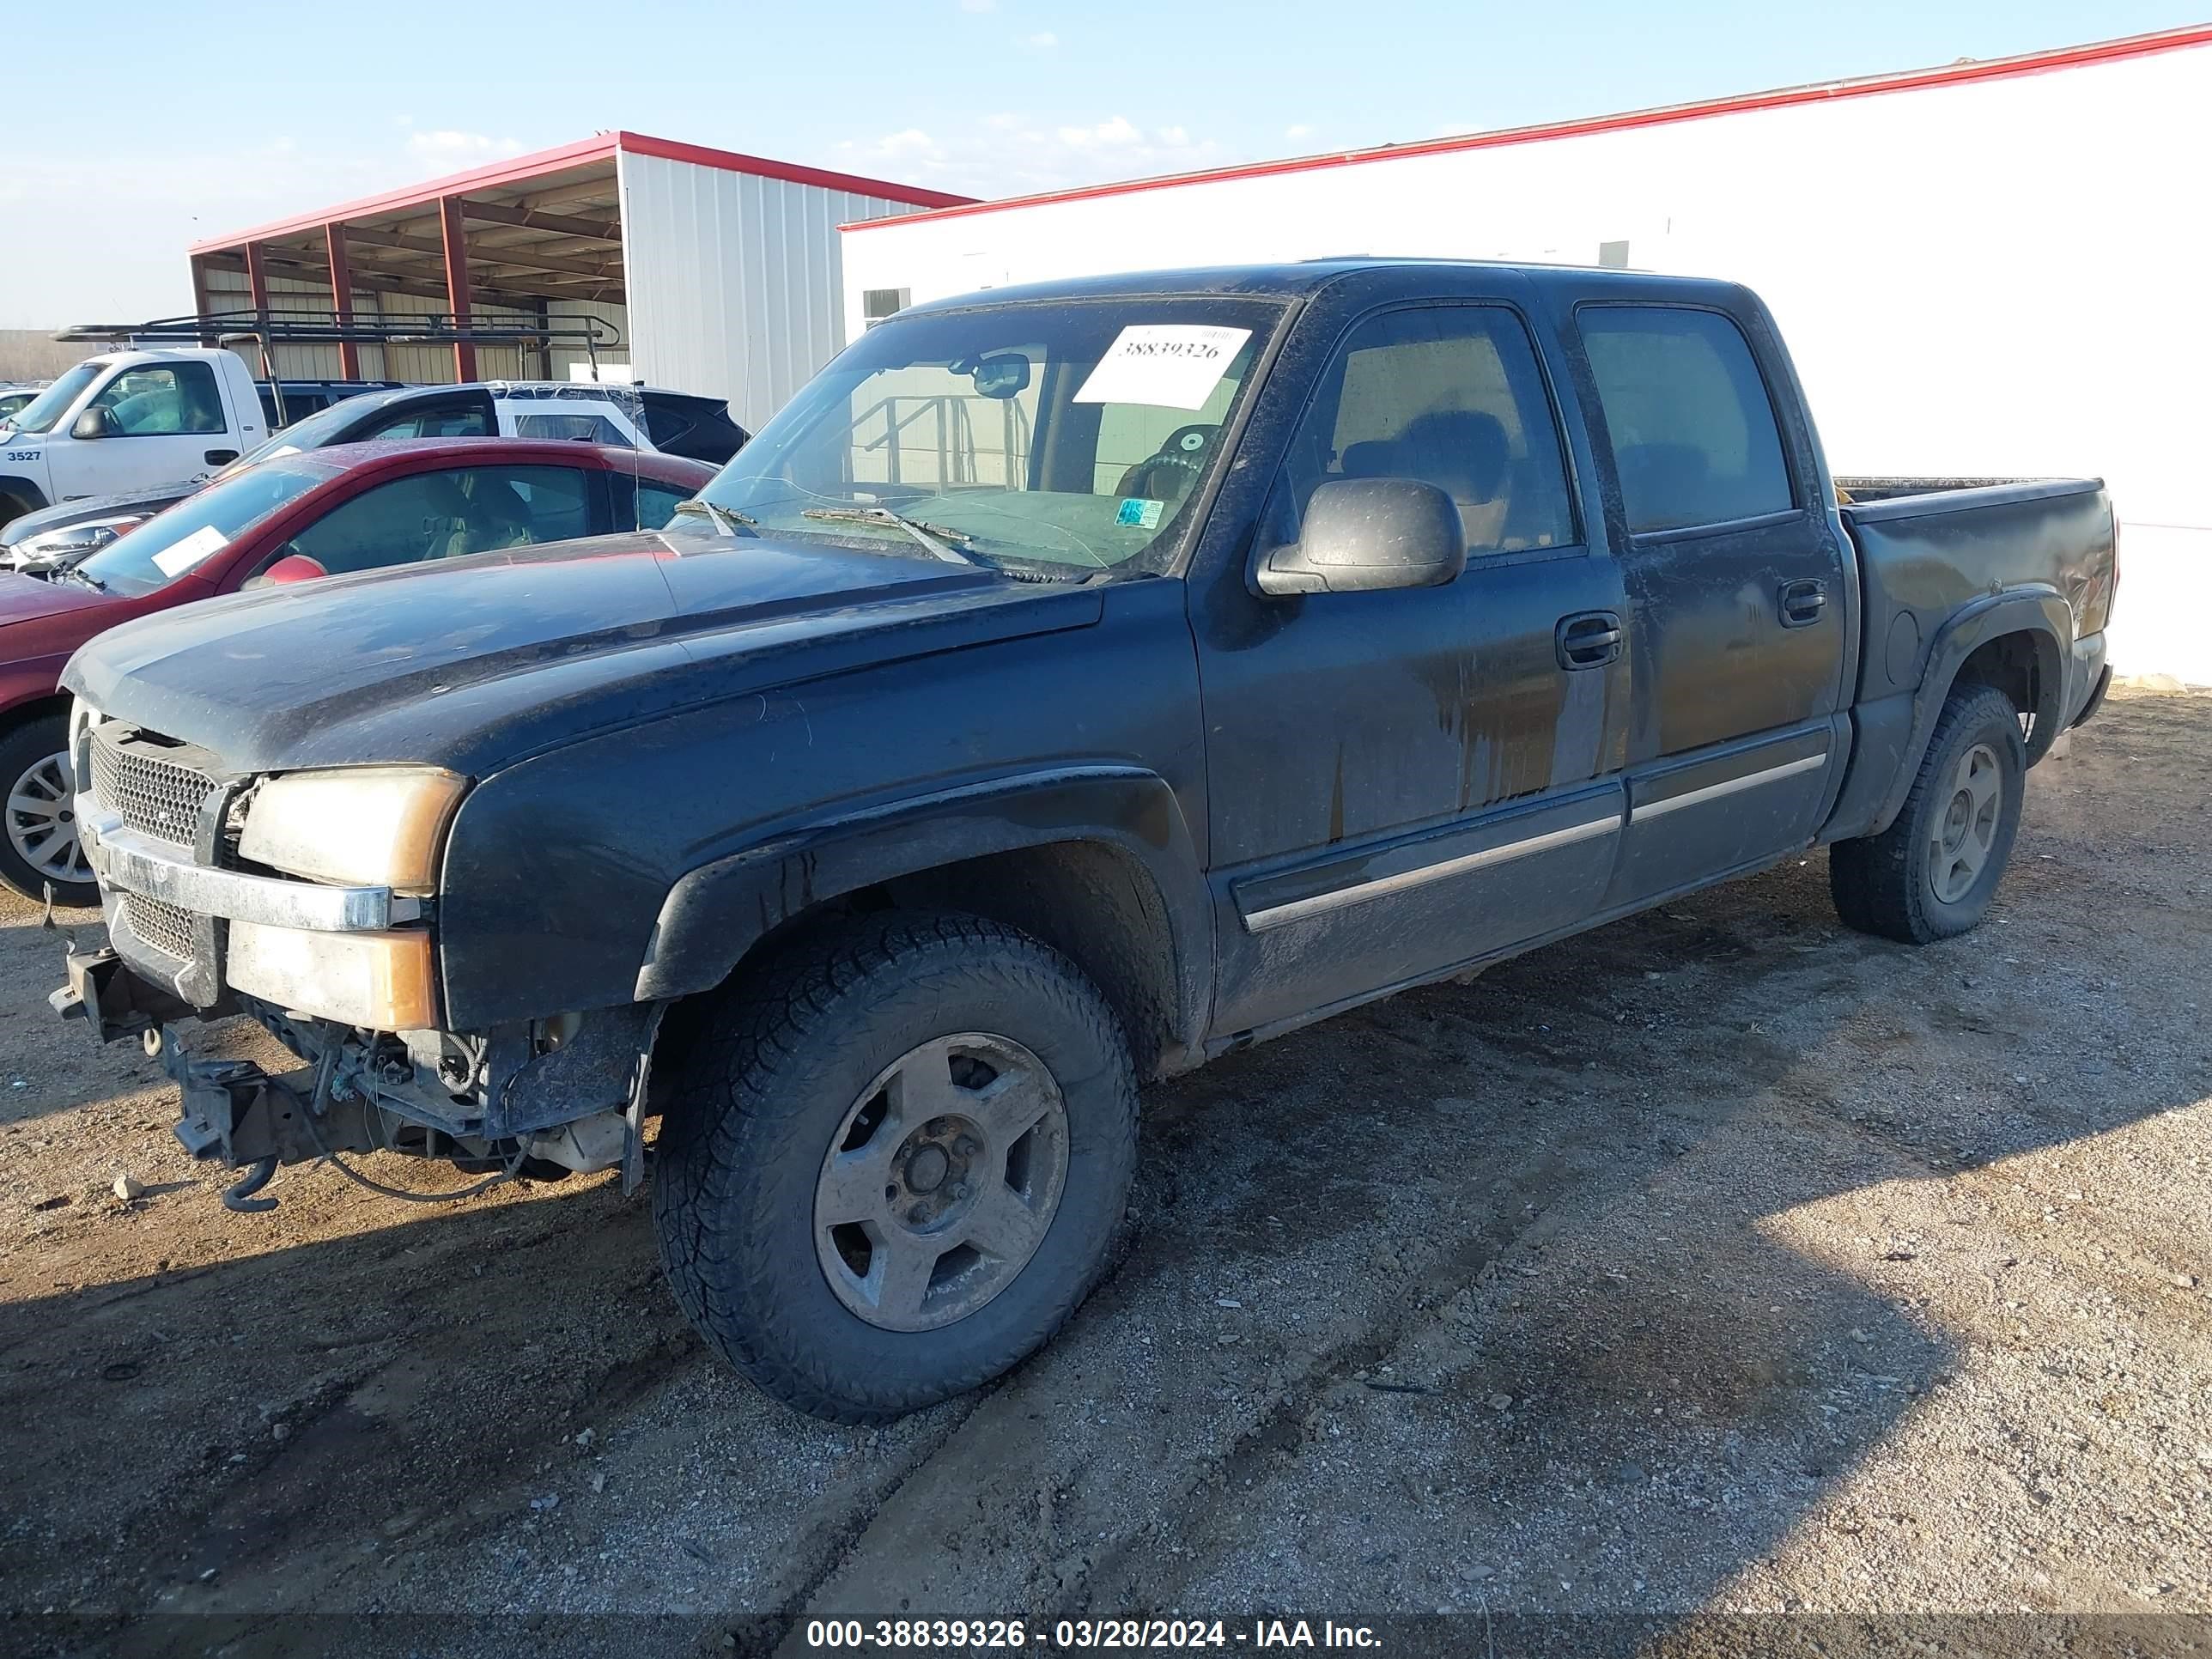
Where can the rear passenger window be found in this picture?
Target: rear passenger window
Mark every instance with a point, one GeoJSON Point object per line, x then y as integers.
{"type": "Point", "coordinates": [1694, 438]}
{"type": "Point", "coordinates": [1451, 395]}
{"type": "Point", "coordinates": [437, 423]}
{"type": "Point", "coordinates": [580, 428]}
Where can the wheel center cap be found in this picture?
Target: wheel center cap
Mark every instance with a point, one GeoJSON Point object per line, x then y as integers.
{"type": "Point", "coordinates": [927, 1173]}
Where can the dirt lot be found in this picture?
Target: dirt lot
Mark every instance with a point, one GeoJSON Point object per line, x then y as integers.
{"type": "Point", "coordinates": [1720, 1259]}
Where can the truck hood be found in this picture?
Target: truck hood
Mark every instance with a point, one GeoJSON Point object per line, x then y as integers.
{"type": "Point", "coordinates": [476, 662]}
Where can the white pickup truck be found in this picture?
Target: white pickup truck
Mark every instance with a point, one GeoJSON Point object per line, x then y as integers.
{"type": "Point", "coordinates": [126, 419]}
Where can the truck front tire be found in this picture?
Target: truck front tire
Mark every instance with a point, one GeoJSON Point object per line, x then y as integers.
{"type": "Point", "coordinates": [1932, 873]}
{"type": "Point", "coordinates": [894, 1161]}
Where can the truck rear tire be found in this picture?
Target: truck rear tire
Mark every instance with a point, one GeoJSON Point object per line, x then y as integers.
{"type": "Point", "coordinates": [38, 847]}
{"type": "Point", "coordinates": [1932, 873]}
{"type": "Point", "coordinates": [894, 1162]}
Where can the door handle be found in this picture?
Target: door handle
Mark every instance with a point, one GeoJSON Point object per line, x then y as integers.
{"type": "Point", "coordinates": [1802, 602]}
{"type": "Point", "coordinates": [1590, 639]}
{"type": "Point", "coordinates": [219, 456]}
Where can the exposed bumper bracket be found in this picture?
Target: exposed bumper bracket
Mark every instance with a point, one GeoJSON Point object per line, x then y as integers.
{"type": "Point", "coordinates": [116, 1003]}
{"type": "Point", "coordinates": [236, 1114]}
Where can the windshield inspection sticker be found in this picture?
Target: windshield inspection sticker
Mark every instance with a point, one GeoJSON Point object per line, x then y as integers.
{"type": "Point", "coordinates": [201, 544]}
{"type": "Point", "coordinates": [1167, 365]}
{"type": "Point", "coordinates": [1138, 512]}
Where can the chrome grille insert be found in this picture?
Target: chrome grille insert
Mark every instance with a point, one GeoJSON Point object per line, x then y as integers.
{"type": "Point", "coordinates": [152, 794]}
{"type": "Point", "coordinates": [167, 928]}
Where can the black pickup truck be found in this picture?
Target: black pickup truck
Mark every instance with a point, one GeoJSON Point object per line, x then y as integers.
{"type": "Point", "coordinates": [1074, 684]}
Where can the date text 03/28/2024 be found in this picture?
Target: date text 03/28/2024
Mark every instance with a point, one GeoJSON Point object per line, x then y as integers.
{"type": "Point", "coordinates": [1105, 1634]}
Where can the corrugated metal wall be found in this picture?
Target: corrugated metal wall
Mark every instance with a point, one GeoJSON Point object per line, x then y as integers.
{"type": "Point", "coordinates": [733, 280]}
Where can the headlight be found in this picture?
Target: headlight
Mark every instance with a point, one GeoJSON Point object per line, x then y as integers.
{"type": "Point", "coordinates": [371, 826]}
{"type": "Point", "coordinates": [74, 541]}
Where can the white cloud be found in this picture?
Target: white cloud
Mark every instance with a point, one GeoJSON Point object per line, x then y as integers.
{"type": "Point", "coordinates": [1009, 154]}
{"type": "Point", "coordinates": [1044, 40]}
{"type": "Point", "coordinates": [445, 148]}
{"type": "Point", "coordinates": [1295, 133]}
{"type": "Point", "coordinates": [1115, 131]}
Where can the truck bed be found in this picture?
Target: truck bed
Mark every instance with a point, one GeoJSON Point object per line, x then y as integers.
{"type": "Point", "coordinates": [1928, 546]}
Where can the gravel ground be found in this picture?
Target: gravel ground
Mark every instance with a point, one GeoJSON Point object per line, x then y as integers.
{"type": "Point", "coordinates": [1720, 1260]}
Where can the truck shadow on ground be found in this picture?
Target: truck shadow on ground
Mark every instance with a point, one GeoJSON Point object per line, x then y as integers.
{"type": "Point", "coordinates": [1501, 1295]}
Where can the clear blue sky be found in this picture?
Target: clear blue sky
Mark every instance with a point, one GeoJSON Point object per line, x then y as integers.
{"type": "Point", "coordinates": [132, 131]}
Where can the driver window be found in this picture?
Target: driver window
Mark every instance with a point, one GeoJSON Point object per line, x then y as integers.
{"type": "Point", "coordinates": [444, 515]}
{"type": "Point", "coordinates": [168, 401]}
{"type": "Point", "coordinates": [1451, 395]}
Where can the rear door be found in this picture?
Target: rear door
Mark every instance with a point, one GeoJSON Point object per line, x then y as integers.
{"type": "Point", "coordinates": [1734, 572]}
{"type": "Point", "coordinates": [1400, 782]}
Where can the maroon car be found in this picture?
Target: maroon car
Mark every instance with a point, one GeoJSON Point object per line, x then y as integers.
{"type": "Point", "coordinates": [353, 507]}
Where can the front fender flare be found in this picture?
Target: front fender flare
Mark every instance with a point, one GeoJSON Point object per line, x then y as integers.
{"type": "Point", "coordinates": [714, 915]}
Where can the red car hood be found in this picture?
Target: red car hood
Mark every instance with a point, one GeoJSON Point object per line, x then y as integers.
{"type": "Point", "coordinates": [22, 598]}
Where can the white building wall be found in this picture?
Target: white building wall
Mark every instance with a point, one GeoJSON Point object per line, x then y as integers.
{"type": "Point", "coordinates": [732, 279]}
{"type": "Point", "coordinates": [2001, 277]}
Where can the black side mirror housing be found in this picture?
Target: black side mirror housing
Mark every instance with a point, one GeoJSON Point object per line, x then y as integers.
{"type": "Point", "coordinates": [95, 422]}
{"type": "Point", "coordinates": [1364, 535]}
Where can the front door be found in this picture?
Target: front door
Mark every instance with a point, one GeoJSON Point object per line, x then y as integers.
{"type": "Point", "coordinates": [1736, 589]}
{"type": "Point", "coordinates": [1400, 782]}
{"type": "Point", "coordinates": [165, 422]}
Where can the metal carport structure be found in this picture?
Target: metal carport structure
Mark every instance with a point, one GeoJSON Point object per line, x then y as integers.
{"type": "Point", "coordinates": [716, 272]}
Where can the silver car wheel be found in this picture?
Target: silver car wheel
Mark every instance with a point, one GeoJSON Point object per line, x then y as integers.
{"type": "Point", "coordinates": [42, 822]}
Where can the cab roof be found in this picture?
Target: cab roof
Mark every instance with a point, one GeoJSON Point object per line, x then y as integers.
{"type": "Point", "coordinates": [1293, 281]}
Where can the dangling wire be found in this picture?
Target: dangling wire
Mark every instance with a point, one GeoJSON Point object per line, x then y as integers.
{"type": "Point", "coordinates": [325, 1074]}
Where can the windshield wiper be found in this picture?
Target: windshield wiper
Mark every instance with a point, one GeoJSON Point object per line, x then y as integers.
{"type": "Point", "coordinates": [725, 520]}
{"type": "Point", "coordinates": [77, 572]}
{"type": "Point", "coordinates": [929, 535]}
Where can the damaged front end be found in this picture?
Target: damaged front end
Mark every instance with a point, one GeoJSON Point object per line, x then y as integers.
{"type": "Point", "coordinates": [217, 904]}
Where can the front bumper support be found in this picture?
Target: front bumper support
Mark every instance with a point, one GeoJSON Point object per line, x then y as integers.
{"type": "Point", "coordinates": [117, 1004]}
{"type": "Point", "coordinates": [234, 1112]}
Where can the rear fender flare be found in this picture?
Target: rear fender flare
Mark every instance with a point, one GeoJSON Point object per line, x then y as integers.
{"type": "Point", "coordinates": [2041, 613]}
{"type": "Point", "coordinates": [716, 913]}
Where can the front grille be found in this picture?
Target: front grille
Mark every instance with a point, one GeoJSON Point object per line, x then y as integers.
{"type": "Point", "coordinates": [153, 795]}
{"type": "Point", "coordinates": [167, 928]}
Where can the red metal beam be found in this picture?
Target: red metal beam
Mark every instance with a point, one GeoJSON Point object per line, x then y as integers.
{"type": "Point", "coordinates": [257, 281]}
{"type": "Point", "coordinates": [202, 303]}
{"type": "Point", "coordinates": [457, 280]}
{"type": "Point", "coordinates": [334, 238]}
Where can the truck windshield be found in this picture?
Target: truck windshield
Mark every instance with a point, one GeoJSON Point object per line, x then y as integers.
{"type": "Point", "coordinates": [1064, 438]}
{"type": "Point", "coordinates": [198, 527]}
{"type": "Point", "coordinates": [43, 411]}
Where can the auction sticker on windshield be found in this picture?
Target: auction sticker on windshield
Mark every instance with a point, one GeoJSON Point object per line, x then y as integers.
{"type": "Point", "coordinates": [1167, 365]}
{"type": "Point", "coordinates": [202, 543]}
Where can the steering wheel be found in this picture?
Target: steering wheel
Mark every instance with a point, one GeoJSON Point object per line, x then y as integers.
{"type": "Point", "coordinates": [1168, 473]}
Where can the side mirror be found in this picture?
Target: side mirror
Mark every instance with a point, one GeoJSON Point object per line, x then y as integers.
{"type": "Point", "coordinates": [95, 422]}
{"type": "Point", "coordinates": [1363, 535]}
{"type": "Point", "coordinates": [294, 567]}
